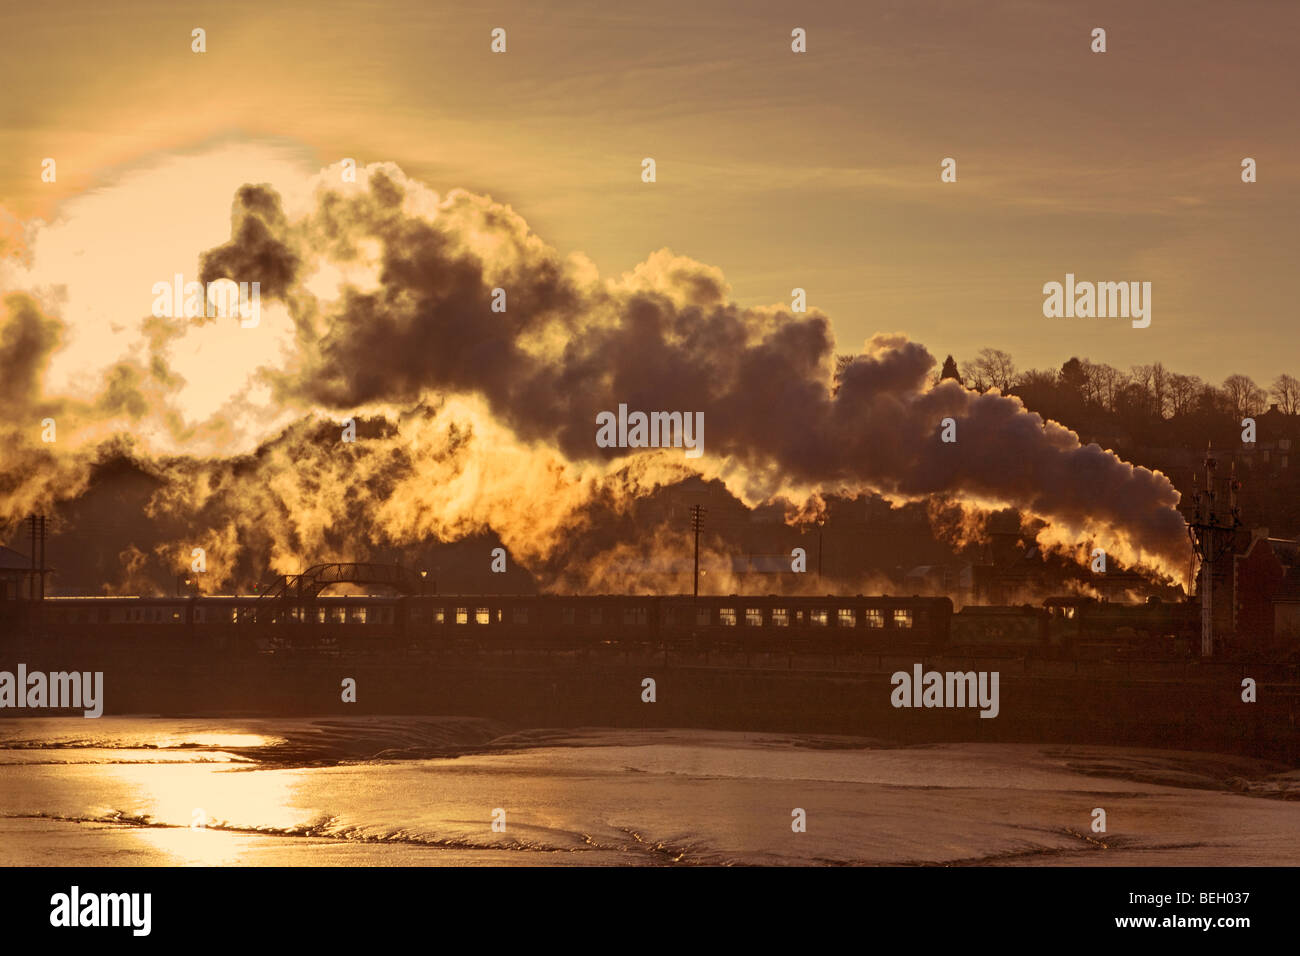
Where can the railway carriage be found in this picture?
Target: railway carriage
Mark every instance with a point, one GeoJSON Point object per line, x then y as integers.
{"type": "Point", "coordinates": [416, 624]}
{"type": "Point", "coordinates": [830, 624]}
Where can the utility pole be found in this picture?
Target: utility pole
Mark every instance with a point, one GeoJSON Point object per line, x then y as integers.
{"type": "Point", "coordinates": [1211, 528]}
{"type": "Point", "coordinates": [31, 578]}
{"type": "Point", "coordinates": [821, 523]}
{"type": "Point", "coordinates": [697, 523]}
{"type": "Point", "coordinates": [36, 587]}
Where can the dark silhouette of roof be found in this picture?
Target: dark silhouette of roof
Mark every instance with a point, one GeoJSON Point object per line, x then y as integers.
{"type": "Point", "coordinates": [11, 560]}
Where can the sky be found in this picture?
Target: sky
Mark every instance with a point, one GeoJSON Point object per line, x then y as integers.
{"type": "Point", "coordinates": [817, 170]}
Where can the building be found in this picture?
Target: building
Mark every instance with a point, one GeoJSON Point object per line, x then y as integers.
{"type": "Point", "coordinates": [15, 575]}
{"type": "Point", "coordinates": [1286, 610]}
{"type": "Point", "coordinates": [1257, 575]}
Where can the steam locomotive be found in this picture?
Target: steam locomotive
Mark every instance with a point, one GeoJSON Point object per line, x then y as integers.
{"type": "Point", "coordinates": [1072, 626]}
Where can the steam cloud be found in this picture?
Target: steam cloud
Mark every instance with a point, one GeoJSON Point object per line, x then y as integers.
{"type": "Point", "coordinates": [471, 419]}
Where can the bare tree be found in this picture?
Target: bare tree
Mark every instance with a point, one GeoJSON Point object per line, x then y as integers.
{"type": "Point", "coordinates": [1286, 390]}
{"type": "Point", "coordinates": [1132, 400]}
{"type": "Point", "coordinates": [1159, 390]}
{"type": "Point", "coordinates": [1183, 393]}
{"type": "Point", "coordinates": [1043, 379]}
{"type": "Point", "coordinates": [1152, 395]}
{"type": "Point", "coordinates": [993, 368]}
{"type": "Point", "coordinates": [1140, 397]}
{"type": "Point", "coordinates": [972, 376]}
{"type": "Point", "coordinates": [1088, 386]}
{"type": "Point", "coordinates": [1244, 396]}
{"type": "Point", "coordinates": [1107, 382]}
{"type": "Point", "coordinates": [1213, 401]}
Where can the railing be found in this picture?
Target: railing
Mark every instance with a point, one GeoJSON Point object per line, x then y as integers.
{"type": "Point", "coordinates": [294, 588]}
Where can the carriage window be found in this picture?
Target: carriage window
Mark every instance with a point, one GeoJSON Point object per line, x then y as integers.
{"type": "Point", "coordinates": [703, 617]}
{"type": "Point", "coordinates": [754, 616]}
{"type": "Point", "coordinates": [595, 615]}
{"type": "Point", "coordinates": [568, 616]}
{"type": "Point", "coordinates": [356, 615]}
{"type": "Point", "coordinates": [635, 616]}
{"type": "Point", "coordinates": [499, 615]}
{"type": "Point", "coordinates": [727, 616]}
{"type": "Point", "coordinates": [482, 616]}
{"type": "Point", "coordinates": [847, 618]}
{"type": "Point", "coordinates": [817, 617]}
{"type": "Point", "coordinates": [875, 617]}
{"type": "Point", "coordinates": [462, 615]}
{"type": "Point", "coordinates": [902, 617]}
{"type": "Point", "coordinates": [519, 615]}
{"type": "Point", "coordinates": [780, 617]}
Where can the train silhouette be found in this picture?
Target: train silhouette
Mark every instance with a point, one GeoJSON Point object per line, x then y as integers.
{"type": "Point", "coordinates": [412, 624]}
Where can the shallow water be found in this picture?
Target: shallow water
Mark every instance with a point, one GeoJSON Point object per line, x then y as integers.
{"type": "Point", "coordinates": [423, 791]}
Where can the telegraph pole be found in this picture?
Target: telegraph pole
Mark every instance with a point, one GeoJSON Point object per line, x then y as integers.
{"type": "Point", "coordinates": [36, 587]}
{"type": "Point", "coordinates": [821, 523]}
{"type": "Point", "coordinates": [697, 523]}
{"type": "Point", "coordinates": [1211, 528]}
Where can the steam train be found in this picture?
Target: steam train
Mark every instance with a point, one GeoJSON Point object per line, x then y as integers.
{"type": "Point", "coordinates": [410, 624]}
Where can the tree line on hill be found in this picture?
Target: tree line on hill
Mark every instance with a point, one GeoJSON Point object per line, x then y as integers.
{"type": "Point", "coordinates": [1149, 405]}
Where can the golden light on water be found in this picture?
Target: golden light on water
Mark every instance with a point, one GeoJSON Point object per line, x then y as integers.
{"type": "Point", "coordinates": [207, 815]}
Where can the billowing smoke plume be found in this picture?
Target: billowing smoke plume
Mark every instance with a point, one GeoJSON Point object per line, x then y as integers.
{"type": "Point", "coordinates": [474, 419]}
